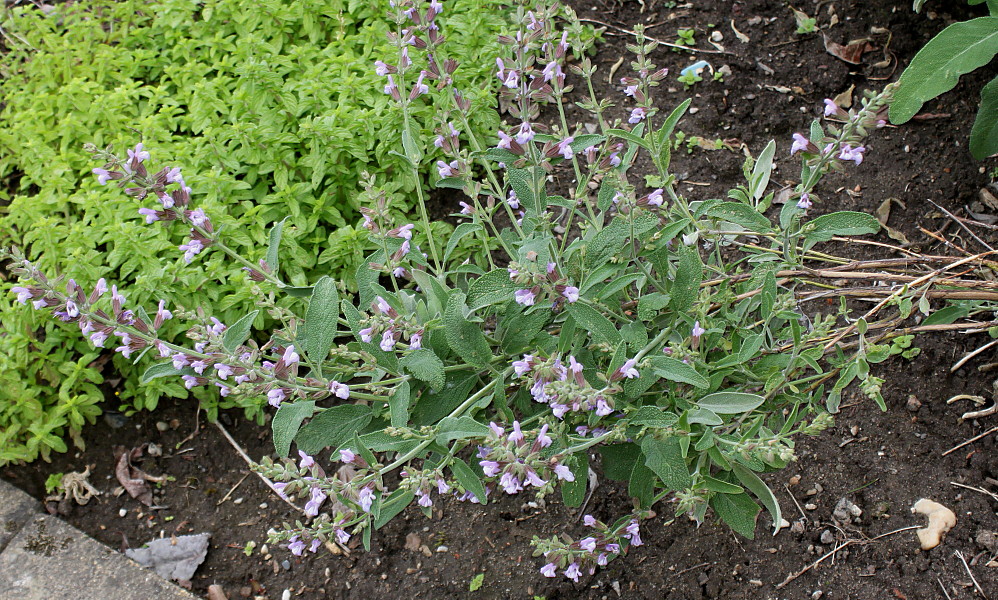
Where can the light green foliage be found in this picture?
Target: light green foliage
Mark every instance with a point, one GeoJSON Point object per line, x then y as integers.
{"type": "Point", "coordinates": [53, 482]}
{"type": "Point", "coordinates": [685, 37]}
{"type": "Point", "coordinates": [935, 70]}
{"type": "Point", "coordinates": [271, 111]}
{"type": "Point", "coordinates": [476, 582]}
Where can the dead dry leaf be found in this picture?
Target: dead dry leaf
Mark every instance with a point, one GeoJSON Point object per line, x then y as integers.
{"type": "Point", "coordinates": [883, 213]}
{"type": "Point", "coordinates": [132, 478]}
{"type": "Point", "coordinates": [738, 34]}
{"type": "Point", "coordinates": [173, 558]}
{"type": "Point", "coordinates": [852, 52]}
{"type": "Point", "coordinates": [844, 100]}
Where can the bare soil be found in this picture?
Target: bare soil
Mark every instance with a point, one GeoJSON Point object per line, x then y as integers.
{"type": "Point", "coordinates": [882, 462]}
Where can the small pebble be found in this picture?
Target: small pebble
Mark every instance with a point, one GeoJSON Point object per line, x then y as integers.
{"type": "Point", "coordinates": [827, 537]}
{"type": "Point", "coordinates": [442, 548]}
{"type": "Point", "coordinates": [913, 403]}
{"type": "Point", "coordinates": [810, 506]}
{"type": "Point", "coordinates": [817, 594]}
{"type": "Point", "coordinates": [237, 501]}
{"type": "Point", "coordinates": [286, 565]}
{"type": "Point", "coordinates": [162, 426]}
{"type": "Point", "coordinates": [263, 505]}
{"type": "Point", "coordinates": [123, 513]}
{"type": "Point", "coordinates": [286, 595]}
{"type": "Point", "coordinates": [716, 36]}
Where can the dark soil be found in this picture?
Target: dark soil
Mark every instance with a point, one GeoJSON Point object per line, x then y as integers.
{"type": "Point", "coordinates": [882, 462]}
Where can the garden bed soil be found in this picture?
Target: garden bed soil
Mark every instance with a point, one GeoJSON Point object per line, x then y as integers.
{"type": "Point", "coordinates": [881, 462]}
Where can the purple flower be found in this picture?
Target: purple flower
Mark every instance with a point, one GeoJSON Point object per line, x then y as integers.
{"type": "Point", "coordinates": [512, 80]}
{"type": "Point", "coordinates": [99, 290]}
{"type": "Point", "coordinates": [174, 176]}
{"type": "Point", "coordinates": [276, 396]}
{"type": "Point", "coordinates": [445, 170]}
{"type": "Point", "coordinates": [637, 115]}
{"type": "Point", "coordinates": [180, 360]}
{"type": "Point", "coordinates": [572, 572]}
{"type": "Point", "coordinates": [223, 371]}
{"type": "Point", "coordinates": [631, 90]}
{"type": "Point", "coordinates": [627, 369]}
{"type": "Point", "coordinates": [564, 147]}
{"type": "Point", "coordinates": [416, 341]}
{"type": "Point", "coordinates": [419, 88]}
{"type": "Point", "coordinates": [525, 134]}
{"type": "Point", "coordinates": [191, 250]}
{"type": "Point", "coordinates": [315, 546]}
{"type": "Point", "coordinates": [138, 154]}
{"type": "Point", "coordinates": [290, 357]}
{"type": "Point", "coordinates": [388, 341]}
{"type": "Point", "coordinates": [424, 499]}
{"type": "Point", "coordinates": [512, 200]}
{"type": "Point", "coordinates": [197, 217]}
{"type": "Point", "coordinates": [800, 144]}
{"type": "Point", "coordinates": [366, 334]}
{"type": "Point", "coordinates": [366, 499]}
{"type": "Point", "coordinates": [517, 436]}
{"type": "Point", "coordinates": [296, 546]}
{"type": "Point", "coordinates": [534, 479]}
{"type": "Point", "coordinates": [116, 297]}
{"type": "Point", "coordinates": [697, 331]}
{"type": "Point", "coordinates": [552, 71]}
{"type": "Point", "coordinates": [564, 473]}
{"type": "Point", "coordinates": [489, 467]}
{"type": "Point", "coordinates": [340, 390]}
{"type": "Point", "coordinates": [342, 536]}
{"type": "Point", "coordinates": [190, 381]}
{"type": "Point", "coordinates": [505, 141]}
{"type": "Point", "coordinates": [98, 338]}
{"type": "Point", "coordinates": [589, 521]}
{"type": "Point", "coordinates": [853, 154]}
{"type": "Point", "coordinates": [549, 570]}
{"type": "Point", "coordinates": [405, 231]}
{"type": "Point", "coordinates": [805, 201]}
{"type": "Point", "coordinates": [391, 89]}
{"type": "Point", "coordinates": [510, 483]}
{"type": "Point", "coordinates": [655, 198]}
{"type": "Point", "coordinates": [466, 209]}
{"type": "Point", "coordinates": [306, 460]}
{"type": "Point", "coordinates": [381, 68]}
{"type": "Point", "coordinates": [543, 439]}
{"type": "Point", "coordinates": [602, 408]}
{"type": "Point", "coordinates": [522, 366]}
{"type": "Point", "coordinates": [199, 366]}
{"type": "Point", "coordinates": [524, 297]}
{"type": "Point", "coordinates": [102, 175]}
{"type": "Point", "coordinates": [588, 544]}
{"type": "Point", "coordinates": [831, 108]}
{"type": "Point", "coordinates": [149, 214]}
{"type": "Point", "coordinates": [442, 487]}
{"type": "Point", "coordinates": [314, 502]}
{"type": "Point", "coordinates": [23, 294]}
{"type": "Point", "coordinates": [347, 455]}
{"type": "Point", "coordinates": [633, 533]}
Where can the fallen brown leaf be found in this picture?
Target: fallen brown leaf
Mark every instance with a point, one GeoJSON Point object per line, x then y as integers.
{"type": "Point", "coordinates": [852, 52]}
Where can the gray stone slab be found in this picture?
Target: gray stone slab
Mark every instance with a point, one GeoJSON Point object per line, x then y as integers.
{"type": "Point", "coordinates": [50, 560]}
{"type": "Point", "coordinates": [16, 509]}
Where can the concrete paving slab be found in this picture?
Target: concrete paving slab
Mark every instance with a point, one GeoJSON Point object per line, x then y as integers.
{"type": "Point", "coordinates": [50, 560]}
{"type": "Point", "coordinates": [16, 509]}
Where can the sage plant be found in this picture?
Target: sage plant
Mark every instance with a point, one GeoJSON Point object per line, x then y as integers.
{"type": "Point", "coordinates": [607, 319]}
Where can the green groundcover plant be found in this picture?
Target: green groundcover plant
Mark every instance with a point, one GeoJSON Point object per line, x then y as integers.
{"type": "Point", "coordinates": [664, 333]}
{"type": "Point", "coordinates": [273, 111]}
{"type": "Point", "coordinates": [935, 70]}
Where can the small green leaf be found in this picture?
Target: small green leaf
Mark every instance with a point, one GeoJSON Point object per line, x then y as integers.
{"type": "Point", "coordinates": [476, 582]}
{"type": "Point", "coordinates": [758, 487]}
{"type": "Point", "coordinates": [392, 506]}
{"type": "Point", "coordinates": [468, 480]}
{"type": "Point", "coordinates": [164, 370]}
{"type": "Point", "coordinates": [721, 487]}
{"type": "Point", "coordinates": [827, 226]}
{"type": "Point", "coordinates": [573, 493]}
{"type": "Point", "coordinates": [738, 511]}
{"type": "Point", "coordinates": [741, 214]}
{"type": "Point", "coordinates": [677, 370]}
{"type": "Point", "coordinates": [652, 416]}
{"type": "Point", "coordinates": [492, 288]}
{"type": "Point", "coordinates": [618, 460]}
{"type": "Point", "coordinates": [762, 171]}
{"type": "Point", "coordinates": [459, 232]}
{"type": "Point", "coordinates": [287, 422]}
{"type": "Point", "coordinates": [274, 246]}
{"type": "Point", "coordinates": [412, 151]}
{"type": "Point", "coordinates": [630, 137]}
{"type": "Point", "coordinates": [465, 337]}
{"type": "Point", "coordinates": [686, 286]}
{"type": "Point", "coordinates": [398, 405]}
{"type": "Point", "coordinates": [642, 484]}
{"type": "Point", "coordinates": [665, 458]}
{"type": "Point", "coordinates": [426, 366]}
{"type": "Point", "coordinates": [601, 329]}
{"type": "Point", "coordinates": [935, 70]}
{"type": "Point", "coordinates": [984, 135]}
{"type": "Point", "coordinates": [730, 403]}
{"type": "Point", "coordinates": [235, 335]}
{"type": "Point", "coordinates": [332, 427]}
{"type": "Point", "coordinates": [459, 428]}
{"type": "Point", "coordinates": [321, 319]}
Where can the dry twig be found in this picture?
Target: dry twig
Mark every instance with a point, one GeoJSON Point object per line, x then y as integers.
{"type": "Point", "coordinates": [249, 462]}
{"type": "Point", "coordinates": [971, 440]}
